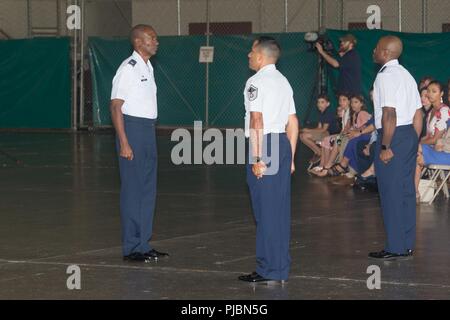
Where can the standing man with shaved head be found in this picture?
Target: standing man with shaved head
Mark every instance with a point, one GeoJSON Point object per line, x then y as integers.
{"type": "Point", "coordinates": [271, 126]}
{"type": "Point", "coordinates": [133, 113]}
{"type": "Point", "coordinates": [398, 120]}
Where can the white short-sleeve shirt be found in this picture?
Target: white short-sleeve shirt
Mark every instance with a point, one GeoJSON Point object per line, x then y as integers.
{"type": "Point", "coordinates": [396, 88]}
{"type": "Point", "coordinates": [134, 83]}
{"type": "Point", "coordinates": [270, 93]}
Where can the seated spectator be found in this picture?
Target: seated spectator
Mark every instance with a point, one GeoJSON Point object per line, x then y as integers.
{"type": "Point", "coordinates": [448, 92]}
{"type": "Point", "coordinates": [360, 129]}
{"type": "Point", "coordinates": [348, 167]}
{"type": "Point", "coordinates": [426, 108]}
{"type": "Point", "coordinates": [430, 149]}
{"type": "Point", "coordinates": [327, 125]}
{"type": "Point", "coordinates": [366, 178]}
{"type": "Point", "coordinates": [366, 152]}
{"type": "Point", "coordinates": [328, 142]}
{"type": "Point", "coordinates": [424, 82]}
{"type": "Point", "coordinates": [438, 117]}
{"type": "Point", "coordinates": [345, 140]}
{"type": "Point", "coordinates": [366, 155]}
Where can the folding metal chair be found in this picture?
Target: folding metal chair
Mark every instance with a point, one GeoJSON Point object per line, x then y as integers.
{"type": "Point", "coordinates": [439, 171]}
{"type": "Point", "coordinates": [442, 171]}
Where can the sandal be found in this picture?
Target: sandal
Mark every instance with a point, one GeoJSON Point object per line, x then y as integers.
{"type": "Point", "coordinates": [316, 169]}
{"type": "Point", "coordinates": [344, 169]}
{"type": "Point", "coordinates": [334, 172]}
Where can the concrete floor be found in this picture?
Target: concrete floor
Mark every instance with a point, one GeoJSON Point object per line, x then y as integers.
{"type": "Point", "coordinates": [60, 208]}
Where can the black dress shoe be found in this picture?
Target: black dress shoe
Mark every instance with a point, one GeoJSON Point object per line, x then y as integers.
{"type": "Point", "coordinates": [384, 255]}
{"type": "Point", "coordinates": [368, 178]}
{"type": "Point", "coordinates": [135, 257]}
{"type": "Point", "coordinates": [153, 254]}
{"type": "Point", "coordinates": [253, 277]}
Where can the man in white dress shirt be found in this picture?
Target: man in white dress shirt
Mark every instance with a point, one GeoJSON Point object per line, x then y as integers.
{"type": "Point", "coordinates": [398, 120]}
{"type": "Point", "coordinates": [272, 128]}
{"type": "Point", "coordinates": [134, 112]}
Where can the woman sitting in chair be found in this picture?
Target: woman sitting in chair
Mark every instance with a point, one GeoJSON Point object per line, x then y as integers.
{"type": "Point", "coordinates": [431, 146]}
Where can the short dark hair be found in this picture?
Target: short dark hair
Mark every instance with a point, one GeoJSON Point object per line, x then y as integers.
{"type": "Point", "coordinates": [324, 97]}
{"type": "Point", "coordinates": [437, 83]}
{"type": "Point", "coordinates": [270, 46]}
{"type": "Point", "coordinates": [344, 94]}
{"type": "Point", "coordinates": [361, 98]}
{"type": "Point", "coordinates": [137, 31]}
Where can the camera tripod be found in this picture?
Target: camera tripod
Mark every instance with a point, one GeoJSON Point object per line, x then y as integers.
{"type": "Point", "coordinates": [320, 87]}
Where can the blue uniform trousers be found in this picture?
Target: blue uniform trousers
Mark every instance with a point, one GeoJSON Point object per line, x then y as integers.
{"type": "Point", "coordinates": [397, 191]}
{"type": "Point", "coordinates": [138, 185]}
{"type": "Point", "coordinates": [271, 203]}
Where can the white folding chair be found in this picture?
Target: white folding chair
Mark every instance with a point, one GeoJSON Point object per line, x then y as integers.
{"type": "Point", "coordinates": [438, 171]}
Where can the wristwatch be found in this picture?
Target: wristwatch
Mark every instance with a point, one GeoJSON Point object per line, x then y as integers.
{"type": "Point", "coordinates": [384, 147]}
{"type": "Point", "coordinates": [256, 159]}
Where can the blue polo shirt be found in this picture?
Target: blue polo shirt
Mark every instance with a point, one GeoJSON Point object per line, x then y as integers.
{"type": "Point", "coordinates": [329, 117]}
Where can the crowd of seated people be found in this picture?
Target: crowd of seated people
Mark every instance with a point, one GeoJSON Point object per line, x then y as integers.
{"type": "Point", "coordinates": [431, 147]}
{"type": "Point", "coordinates": [340, 152]}
{"type": "Point", "coordinates": [349, 154]}
{"type": "Point", "coordinates": [328, 142]}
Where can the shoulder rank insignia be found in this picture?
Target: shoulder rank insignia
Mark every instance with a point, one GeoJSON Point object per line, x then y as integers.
{"type": "Point", "coordinates": [132, 62]}
{"type": "Point", "coordinates": [252, 93]}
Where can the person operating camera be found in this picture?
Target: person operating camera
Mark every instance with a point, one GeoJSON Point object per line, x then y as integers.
{"type": "Point", "coordinates": [349, 64]}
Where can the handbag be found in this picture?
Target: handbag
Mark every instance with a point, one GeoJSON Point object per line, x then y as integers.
{"type": "Point", "coordinates": [426, 190]}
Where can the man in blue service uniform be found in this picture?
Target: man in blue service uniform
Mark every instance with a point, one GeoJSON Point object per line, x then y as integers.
{"type": "Point", "coordinates": [399, 122]}
{"type": "Point", "coordinates": [271, 122]}
{"type": "Point", "coordinates": [134, 112]}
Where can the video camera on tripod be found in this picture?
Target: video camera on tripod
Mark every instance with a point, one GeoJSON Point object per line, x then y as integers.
{"type": "Point", "coordinates": [320, 86]}
{"type": "Point", "coordinates": [314, 37]}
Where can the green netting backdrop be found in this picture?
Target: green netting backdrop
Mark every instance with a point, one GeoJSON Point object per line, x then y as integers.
{"type": "Point", "coordinates": [181, 79]}
{"type": "Point", "coordinates": [423, 55]}
{"type": "Point", "coordinates": [35, 89]}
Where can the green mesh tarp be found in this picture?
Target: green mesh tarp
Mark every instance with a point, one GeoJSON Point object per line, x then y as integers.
{"type": "Point", "coordinates": [423, 55]}
{"type": "Point", "coordinates": [230, 71]}
{"type": "Point", "coordinates": [181, 79]}
{"type": "Point", "coordinates": [35, 83]}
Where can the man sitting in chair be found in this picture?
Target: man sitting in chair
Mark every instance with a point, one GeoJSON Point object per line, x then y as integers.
{"type": "Point", "coordinates": [326, 126]}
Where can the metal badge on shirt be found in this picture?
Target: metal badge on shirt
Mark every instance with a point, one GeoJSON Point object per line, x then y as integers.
{"type": "Point", "coordinates": [252, 93]}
